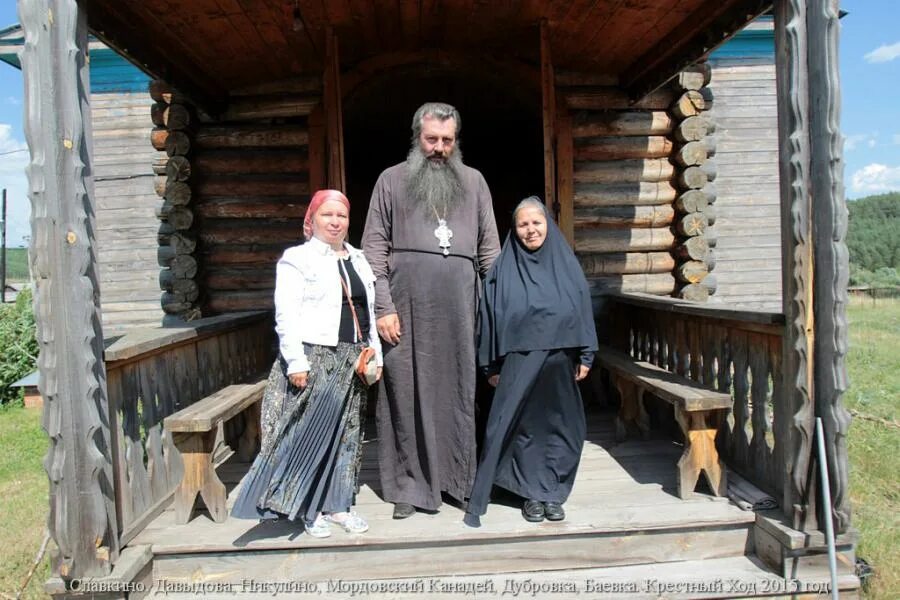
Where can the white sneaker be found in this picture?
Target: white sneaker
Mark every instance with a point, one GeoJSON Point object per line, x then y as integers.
{"type": "Point", "coordinates": [349, 521]}
{"type": "Point", "coordinates": [318, 528]}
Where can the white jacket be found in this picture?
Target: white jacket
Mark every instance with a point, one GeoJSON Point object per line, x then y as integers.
{"type": "Point", "coordinates": [308, 296]}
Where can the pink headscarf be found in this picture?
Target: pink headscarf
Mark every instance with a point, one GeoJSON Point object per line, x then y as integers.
{"type": "Point", "coordinates": [318, 199]}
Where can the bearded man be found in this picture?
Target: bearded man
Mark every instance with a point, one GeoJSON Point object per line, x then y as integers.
{"type": "Point", "coordinates": [430, 235]}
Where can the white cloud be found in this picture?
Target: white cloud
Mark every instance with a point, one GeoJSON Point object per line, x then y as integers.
{"type": "Point", "coordinates": [854, 141]}
{"type": "Point", "coordinates": [13, 160]}
{"type": "Point", "coordinates": [875, 179]}
{"type": "Point", "coordinates": [884, 53]}
{"type": "Point", "coordinates": [13, 100]}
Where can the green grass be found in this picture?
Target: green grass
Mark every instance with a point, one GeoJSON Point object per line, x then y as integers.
{"type": "Point", "coordinates": [874, 366]}
{"type": "Point", "coordinates": [17, 264]}
{"type": "Point", "coordinates": [24, 490]}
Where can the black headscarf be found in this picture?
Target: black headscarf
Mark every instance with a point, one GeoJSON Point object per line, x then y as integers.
{"type": "Point", "coordinates": [535, 300]}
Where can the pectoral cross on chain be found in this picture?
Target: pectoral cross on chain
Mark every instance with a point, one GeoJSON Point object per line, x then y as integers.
{"type": "Point", "coordinates": [443, 234]}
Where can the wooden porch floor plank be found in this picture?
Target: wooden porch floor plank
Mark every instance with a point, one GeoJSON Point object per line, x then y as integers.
{"type": "Point", "coordinates": [620, 488]}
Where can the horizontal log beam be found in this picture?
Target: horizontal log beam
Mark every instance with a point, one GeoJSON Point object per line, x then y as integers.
{"type": "Point", "coordinates": [694, 292]}
{"type": "Point", "coordinates": [634, 194]}
{"type": "Point", "coordinates": [691, 103]}
{"type": "Point", "coordinates": [693, 77]}
{"type": "Point", "coordinates": [222, 279]}
{"type": "Point", "coordinates": [695, 248]}
{"type": "Point", "coordinates": [692, 201]}
{"type": "Point", "coordinates": [691, 224]}
{"type": "Point", "coordinates": [245, 109]}
{"type": "Point", "coordinates": [292, 86]}
{"type": "Point", "coordinates": [245, 233]}
{"type": "Point", "coordinates": [618, 123]}
{"type": "Point", "coordinates": [626, 263]}
{"type": "Point", "coordinates": [234, 255]}
{"type": "Point", "coordinates": [624, 171]}
{"type": "Point", "coordinates": [261, 162]}
{"type": "Point", "coordinates": [637, 240]}
{"type": "Point", "coordinates": [248, 136]}
{"type": "Point", "coordinates": [694, 129]}
{"type": "Point", "coordinates": [692, 271]}
{"type": "Point", "coordinates": [613, 148]}
{"type": "Point", "coordinates": [692, 154]}
{"type": "Point", "coordinates": [231, 301]}
{"type": "Point", "coordinates": [252, 208]}
{"type": "Point", "coordinates": [661, 284]}
{"type": "Point", "coordinates": [613, 98]}
{"type": "Point", "coordinates": [245, 186]}
{"type": "Point", "coordinates": [625, 216]}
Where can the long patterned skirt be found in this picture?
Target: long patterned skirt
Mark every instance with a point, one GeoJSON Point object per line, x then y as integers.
{"type": "Point", "coordinates": [311, 440]}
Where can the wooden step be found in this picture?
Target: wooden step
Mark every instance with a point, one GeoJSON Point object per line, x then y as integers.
{"type": "Point", "coordinates": [648, 526]}
{"type": "Point", "coordinates": [730, 577]}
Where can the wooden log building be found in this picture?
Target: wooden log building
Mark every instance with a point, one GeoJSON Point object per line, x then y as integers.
{"type": "Point", "coordinates": [606, 109]}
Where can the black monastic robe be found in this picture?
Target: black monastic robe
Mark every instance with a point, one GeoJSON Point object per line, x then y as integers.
{"type": "Point", "coordinates": [425, 410]}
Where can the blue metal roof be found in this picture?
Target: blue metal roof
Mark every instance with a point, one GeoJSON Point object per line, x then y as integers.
{"type": "Point", "coordinates": [756, 41]}
{"type": "Point", "coordinates": [110, 72]}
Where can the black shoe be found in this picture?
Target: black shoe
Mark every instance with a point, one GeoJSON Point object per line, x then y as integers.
{"type": "Point", "coordinates": [402, 510]}
{"type": "Point", "coordinates": [554, 511]}
{"type": "Point", "coordinates": [533, 511]}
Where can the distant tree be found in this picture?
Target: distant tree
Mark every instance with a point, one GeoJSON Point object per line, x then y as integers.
{"type": "Point", "coordinates": [873, 239]}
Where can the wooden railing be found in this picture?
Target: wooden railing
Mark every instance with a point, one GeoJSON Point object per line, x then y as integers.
{"type": "Point", "coordinates": [153, 373]}
{"type": "Point", "coordinates": [733, 351]}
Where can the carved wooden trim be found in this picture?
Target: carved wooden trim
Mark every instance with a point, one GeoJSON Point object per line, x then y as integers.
{"type": "Point", "coordinates": [832, 260]}
{"type": "Point", "coordinates": [815, 260]}
{"type": "Point", "coordinates": [797, 265]}
{"type": "Point", "coordinates": [82, 519]}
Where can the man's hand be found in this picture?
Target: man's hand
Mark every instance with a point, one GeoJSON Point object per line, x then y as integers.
{"type": "Point", "coordinates": [389, 328]}
{"type": "Point", "coordinates": [298, 380]}
{"type": "Point", "coordinates": [494, 380]}
{"type": "Point", "coordinates": [378, 374]}
{"type": "Point", "coordinates": [581, 372]}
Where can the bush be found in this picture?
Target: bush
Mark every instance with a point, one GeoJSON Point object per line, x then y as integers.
{"type": "Point", "coordinates": [19, 345]}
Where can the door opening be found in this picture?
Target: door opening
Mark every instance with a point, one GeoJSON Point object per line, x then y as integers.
{"type": "Point", "coordinates": [501, 132]}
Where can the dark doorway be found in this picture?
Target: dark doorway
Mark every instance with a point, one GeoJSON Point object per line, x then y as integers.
{"type": "Point", "coordinates": [502, 134]}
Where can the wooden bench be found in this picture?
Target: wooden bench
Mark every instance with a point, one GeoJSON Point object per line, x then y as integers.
{"type": "Point", "coordinates": [698, 410]}
{"type": "Point", "coordinates": [194, 431]}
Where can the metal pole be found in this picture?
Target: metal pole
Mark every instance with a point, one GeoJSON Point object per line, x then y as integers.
{"type": "Point", "coordinates": [3, 251]}
{"type": "Point", "coordinates": [826, 497]}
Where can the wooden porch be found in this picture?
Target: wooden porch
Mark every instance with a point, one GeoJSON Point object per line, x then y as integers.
{"type": "Point", "coordinates": [626, 525]}
{"type": "Point", "coordinates": [623, 512]}
{"type": "Point", "coordinates": [235, 185]}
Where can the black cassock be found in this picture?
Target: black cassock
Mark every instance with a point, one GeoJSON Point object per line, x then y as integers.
{"type": "Point", "coordinates": [535, 327]}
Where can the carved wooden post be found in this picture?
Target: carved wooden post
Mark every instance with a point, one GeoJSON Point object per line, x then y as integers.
{"type": "Point", "coordinates": [82, 517]}
{"type": "Point", "coordinates": [815, 261]}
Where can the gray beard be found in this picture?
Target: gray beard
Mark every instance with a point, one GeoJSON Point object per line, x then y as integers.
{"type": "Point", "coordinates": [437, 185]}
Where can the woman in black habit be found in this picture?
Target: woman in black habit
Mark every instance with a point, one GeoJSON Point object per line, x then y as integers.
{"type": "Point", "coordinates": [536, 340]}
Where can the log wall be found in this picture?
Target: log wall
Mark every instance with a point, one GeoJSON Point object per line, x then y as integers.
{"type": "Point", "coordinates": [126, 211]}
{"type": "Point", "coordinates": [639, 194]}
{"type": "Point", "coordinates": [248, 180]}
{"type": "Point", "coordinates": [748, 245]}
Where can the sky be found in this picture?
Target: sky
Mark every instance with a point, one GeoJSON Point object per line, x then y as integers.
{"type": "Point", "coordinates": [870, 85]}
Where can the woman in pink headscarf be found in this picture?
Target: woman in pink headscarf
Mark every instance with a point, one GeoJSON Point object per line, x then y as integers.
{"type": "Point", "coordinates": [312, 409]}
